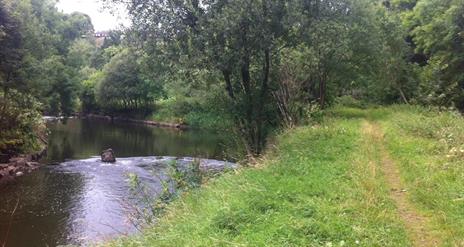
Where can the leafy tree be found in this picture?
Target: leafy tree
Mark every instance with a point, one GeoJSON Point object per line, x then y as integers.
{"type": "Point", "coordinates": [20, 121]}
{"type": "Point", "coordinates": [80, 53]}
{"type": "Point", "coordinates": [124, 87]}
{"type": "Point", "coordinates": [10, 49]}
{"type": "Point", "coordinates": [238, 39]}
{"type": "Point", "coordinates": [88, 95]}
{"type": "Point", "coordinates": [437, 29]}
{"type": "Point", "coordinates": [63, 87]}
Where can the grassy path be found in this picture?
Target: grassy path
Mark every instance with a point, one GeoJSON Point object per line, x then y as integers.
{"type": "Point", "coordinates": [417, 225]}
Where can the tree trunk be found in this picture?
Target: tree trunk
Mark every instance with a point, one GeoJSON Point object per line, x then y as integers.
{"type": "Point", "coordinates": [403, 96]}
{"type": "Point", "coordinates": [264, 90]}
{"type": "Point", "coordinates": [230, 90]}
{"type": "Point", "coordinates": [248, 121]}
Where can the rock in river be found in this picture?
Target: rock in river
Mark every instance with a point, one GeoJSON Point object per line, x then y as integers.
{"type": "Point", "coordinates": [108, 156]}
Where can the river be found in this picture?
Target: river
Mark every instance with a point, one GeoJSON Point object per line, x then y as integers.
{"type": "Point", "coordinates": [75, 199]}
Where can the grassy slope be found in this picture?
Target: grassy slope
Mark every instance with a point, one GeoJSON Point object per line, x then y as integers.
{"type": "Point", "coordinates": [322, 186]}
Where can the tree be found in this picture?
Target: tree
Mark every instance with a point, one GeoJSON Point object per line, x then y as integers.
{"type": "Point", "coordinates": [20, 120]}
{"type": "Point", "coordinates": [88, 95]}
{"type": "Point", "coordinates": [239, 39]}
{"type": "Point", "coordinates": [124, 86]}
{"type": "Point", "coordinates": [63, 86]}
{"type": "Point", "coordinates": [437, 29]}
{"type": "Point", "coordinates": [10, 49]}
{"type": "Point", "coordinates": [80, 53]}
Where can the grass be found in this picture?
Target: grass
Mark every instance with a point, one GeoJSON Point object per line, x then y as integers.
{"type": "Point", "coordinates": [429, 147]}
{"type": "Point", "coordinates": [323, 186]}
{"type": "Point", "coordinates": [194, 114]}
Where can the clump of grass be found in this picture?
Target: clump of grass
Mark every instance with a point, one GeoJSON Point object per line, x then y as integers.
{"type": "Point", "coordinates": [148, 207]}
{"type": "Point", "coordinates": [186, 177]}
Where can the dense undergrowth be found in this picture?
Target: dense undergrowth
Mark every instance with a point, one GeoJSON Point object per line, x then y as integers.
{"type": "Point", "coordinates": [21, 125]}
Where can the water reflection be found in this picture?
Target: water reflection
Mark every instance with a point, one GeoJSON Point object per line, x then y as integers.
{"type": "Point", "coordinates": [44, 206]}
{"type": "Point", "coordinates": [80, 139]}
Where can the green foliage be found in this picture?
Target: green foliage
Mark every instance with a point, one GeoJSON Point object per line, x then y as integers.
{"type": "Point", "coordinates": [49, 50]}
{"type": "Point", "coordinates": [88, 95]}
{"type": "Point", "coordinates": [186, 178]}
{"type": "Point", "coordinates": [10, 48]}
{"type": "Point", "coordinates": [80, 53]}
{"type": "Point", "coordinates": [437, 31]}
{"type": "Point", "coordinates": [209, 110]}
{"type": "Point", "coordinates": [42, 54]}
{"type": "Point", "coordinates": [148, 209]}
{"type": "Point", "coordinates": [349, 101]}
{"type": "Point", "coordinates": [124, 86]}
{"type": "Point", "coordinates": [20, 123]}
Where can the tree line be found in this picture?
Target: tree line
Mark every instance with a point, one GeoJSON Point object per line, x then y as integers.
{"type": "Point", "coordinates": [260, 64]}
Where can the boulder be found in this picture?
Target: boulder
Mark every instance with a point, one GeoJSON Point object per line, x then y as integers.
{"type": "Point", "coordinates": [108, 156]}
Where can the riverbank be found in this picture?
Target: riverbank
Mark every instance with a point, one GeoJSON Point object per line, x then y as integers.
{"type": "Point", "coordinates": [17, 166]}
{"type": "Point", "coordinates": [376, 177]}
{"type": "Point", "coordinates": [136, 121]}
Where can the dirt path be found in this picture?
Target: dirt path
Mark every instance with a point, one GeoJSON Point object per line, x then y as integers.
{"type": "Point", "coordinates": [417, 225]}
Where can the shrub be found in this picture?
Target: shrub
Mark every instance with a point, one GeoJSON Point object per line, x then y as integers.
{"type": "Point", "coordinates": [21, 123]}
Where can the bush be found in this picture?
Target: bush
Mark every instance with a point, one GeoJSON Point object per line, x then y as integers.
{"type": "Point", "coordinates": [21, 123]}
{"type": "Point", "coordinates": [207, 113]}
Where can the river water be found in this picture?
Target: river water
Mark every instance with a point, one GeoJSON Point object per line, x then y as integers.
{"type": "Point", "coordinates": [75, 199]}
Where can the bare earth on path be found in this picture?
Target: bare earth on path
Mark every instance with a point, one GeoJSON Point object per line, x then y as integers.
{"type": "Point", "coordinates": [417, 225]}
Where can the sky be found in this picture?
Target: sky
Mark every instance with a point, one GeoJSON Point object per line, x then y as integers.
{"type": "Point", "coordinates": [102, 19]}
